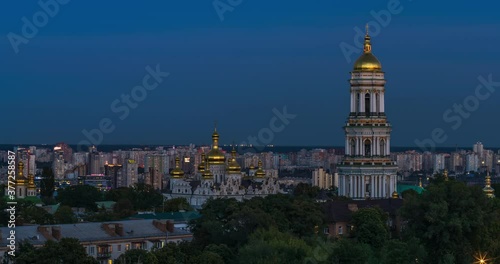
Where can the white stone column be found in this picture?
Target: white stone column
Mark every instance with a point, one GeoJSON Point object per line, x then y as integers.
{"type": "Point", "coordinates": [358, 149]}
{"type": "Point", "coordinates": [363, 186]}
{"type": "Point", "coordinates": [362, 152]}
{"type": "Point", "coordinates": [361, 102]}
{"type": "Point", "coordinates": [388, 145]}
{"type": "Point", "coordinates": [384, 181]}
{"type": "Point", "coordinates": [382, 102]}
{"type": "Point", "coordinates": [347, 146]}
{"type": "Point", "coordinates": [371, 186]}
{"type": "Point", "coordinates": [351, 186]}
{"type": "Point", "coordinates": [353, 102]}
{"type": "Point", "coordinates": [373, 103]}
{"type": "Point", "coordinates": [355, 194]}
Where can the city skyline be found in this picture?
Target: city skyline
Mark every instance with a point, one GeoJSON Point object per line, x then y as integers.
{"type": "Point", "coordinates": [78, 68]}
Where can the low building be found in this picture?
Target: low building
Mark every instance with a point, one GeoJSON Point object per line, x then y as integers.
{"type": "Point", "coordinates": [339, 215]}
{"type": "Point", "coordinates": [104, 241]}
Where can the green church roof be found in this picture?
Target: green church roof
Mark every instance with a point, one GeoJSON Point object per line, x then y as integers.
{"type": "Point", "coordinates": [404, 187]}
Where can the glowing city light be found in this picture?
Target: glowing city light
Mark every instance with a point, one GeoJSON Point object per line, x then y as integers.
{"type": "Point", "coordinates": [481, 259]}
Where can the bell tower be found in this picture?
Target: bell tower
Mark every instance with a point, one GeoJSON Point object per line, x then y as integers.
{"type": "Point", "coordinates": [367, 170]}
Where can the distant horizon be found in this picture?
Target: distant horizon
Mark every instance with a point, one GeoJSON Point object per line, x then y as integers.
{"type": "Point", "coordinates": [228, 146]}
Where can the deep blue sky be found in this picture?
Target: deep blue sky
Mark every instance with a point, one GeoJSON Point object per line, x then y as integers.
{"type": "Point", "coordinates": [264, 55]}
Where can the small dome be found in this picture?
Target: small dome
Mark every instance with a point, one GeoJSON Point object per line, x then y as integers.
{"type": "Point", "coordinates": [201, 166]}
{"type": "Point", "coordinates": [177, 172]}
{"type": "Point", "coordinates": [395, 195]}
{"type": "Point", "coordinates": [233, 167]}
{"type": "Point", "coordinates": [367, 61]}
{"type": "Point", "coordinates": [260, 173]}
{"type": "Point", "coordinates": [207, 174]}
{"type": "Point", "coordinates": [215, 156]}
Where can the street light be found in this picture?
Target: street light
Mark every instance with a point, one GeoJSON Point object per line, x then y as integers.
{"type": "Point", "coordinates": [481, 259]}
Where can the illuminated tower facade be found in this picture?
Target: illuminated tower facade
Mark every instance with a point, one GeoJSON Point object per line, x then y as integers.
{"type": "Point", "coordinates": [367, 170]}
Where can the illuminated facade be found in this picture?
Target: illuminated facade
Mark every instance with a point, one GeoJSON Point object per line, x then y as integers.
{"type": "Point", "coordinates": [220, 177]}
{"type": "Point", "coordinates": [367, 170]}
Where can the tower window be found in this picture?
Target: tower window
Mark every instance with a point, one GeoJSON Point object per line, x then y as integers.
{"type": "Point", "coordinates": [353, 147]}
{"type": "Point", "coordinates": [382, 148]}
{"type": "Point", "coordinates": [358, 103]}
{"type": "Point", "coordinates": [367, 104]}
{"type": "Point", "coordinates": [368, 150]}
{"type": "Point", "coordinates": [378, 102]}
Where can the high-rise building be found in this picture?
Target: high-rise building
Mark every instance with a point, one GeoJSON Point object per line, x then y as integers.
{"type": "Point", "coordinates": [478, 148]}
{"type": "Point", "coordinates": [156, 167]}
{"type": "Point", "coordinates": [471, 162]}
{"type": "Point", "coordinates": [58, 165]}
{"type": "Point", "coordinates": [322, 179]}
{"type": "Point", "coordinates": [129, 173]}
{"type": "Point", "coordinates": [367, 170]}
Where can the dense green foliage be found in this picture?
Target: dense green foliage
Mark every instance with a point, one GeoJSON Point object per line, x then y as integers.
{"type": "Point", "coordinates": [448, 223]}
{"type": "Point", "coordinates": [453, 221]}
{"type": "Point", "coordinates": [68, 250]}
{"type": "Point", "coordinates": [84, 196]}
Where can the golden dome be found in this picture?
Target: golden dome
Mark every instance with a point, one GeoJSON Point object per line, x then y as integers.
{"type": "Point", "coordinates": [177, 172]}
{"type": "Point", "coordinates": [488, 190]}
{"type": "Point", "coordinates": [201, 166]}
{"type": "Point", "coordinates": [215, 156]}
{"type": "Point", "coordinates": [31, 181]}
{"type": "Point", "coordinates": [233, 167]}
{"type": "Point", "coordinates": [260, 173]}
{"type": "Point", "coordinates": [367, 61]}
{"type": "Point", "coordinates": [20, 179]}
{"type": "Point", "coordinates": [395, 195]}
{"type": "Point", "coordinates": [207, 174]}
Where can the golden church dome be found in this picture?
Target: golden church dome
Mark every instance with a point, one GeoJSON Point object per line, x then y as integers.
{"type": "Point", "coordinates": [201, 166]}
{"type": "Point", "coordinates": [177, 172]}
{"type": "Point", "coordinates": [260, 173]}
{"type": "Point", "coordinates": [395, 195]}
{"type": "Point", "coordinates": [20, 179]}
{"type": "Point", "coordinates": [215, 156]}
{"type": "Point", "coordinates": [233, 166]}
{"type": "Point", "coordinates": [367, 61]}
{"type": "Point", "coordinates": [207, 174]}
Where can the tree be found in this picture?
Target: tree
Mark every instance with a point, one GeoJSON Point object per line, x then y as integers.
{"type": "Point", "coordinates": [348, 251]}
{"type": "Point", "coordinates": [65, 215]}
{"type": "Point", "coordinates": [123, 208]}
{"type": "Point", "coordinates": [47, 184]}
{"type": "Point", "coordinates": [137, 256]}
{"type": "Point", "coordinates": [304, 189]}
{"type": "Point", "coordinates": [453, 221]}
{"type": "Point", "coordinates": [396, 252]}
{"type": "Point", "coordinates": [272, 246]}
{"type": "Point", "coordinates": [369, 227]}
{"type": "Point", "coordinates": [80, 196]}
{"type": "Point", "coordinates": [145, 197]}
{"type": "Point", "coordinates": [67, 250]}
{"type": "Point", "coordinates": [32, 214]}
{"type": "Point", "coordinates": [176, 204]}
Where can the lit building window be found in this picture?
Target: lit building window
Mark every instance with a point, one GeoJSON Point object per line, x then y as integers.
{"type": "Point", "coordinates": [341, 232]}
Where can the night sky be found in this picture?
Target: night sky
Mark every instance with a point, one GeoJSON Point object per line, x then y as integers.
{"type": "Point", "coordinates": [262, 55]}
